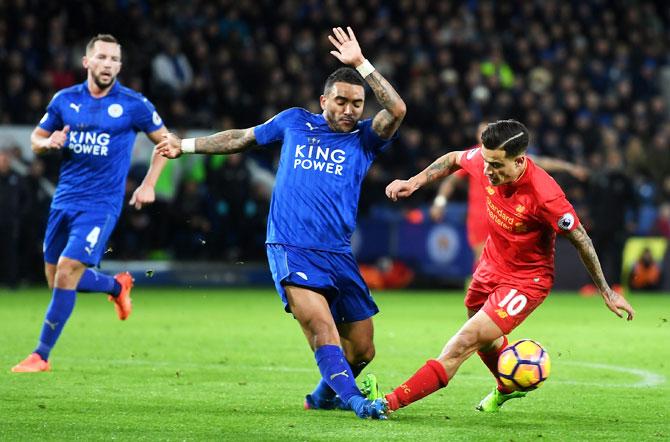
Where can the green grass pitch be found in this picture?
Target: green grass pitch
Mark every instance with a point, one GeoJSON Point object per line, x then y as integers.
{"type": "Point", "coordinates": [230, 365]}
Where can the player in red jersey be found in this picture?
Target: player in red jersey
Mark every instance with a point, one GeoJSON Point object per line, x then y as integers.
{"type": "Point", "coordinates": [476, 225]}
{"type": "Point", "coordinates": [525, 208]}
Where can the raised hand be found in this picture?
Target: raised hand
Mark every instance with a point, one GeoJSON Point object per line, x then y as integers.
{"type": "Point", "coordinates": [170, 147]}
{"type": "Point", "coordinates": [348, 51]}
{"type": "Point", "coordinates": [58, 139]}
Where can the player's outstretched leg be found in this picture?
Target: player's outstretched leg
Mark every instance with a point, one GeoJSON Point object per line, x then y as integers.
{"type": "Point", "coordinates": [501, 394]}
{"type": "Point", "coordinates": [32, 364]}
{"type": "Point", "coordinates": [58, 312]}
{"type": "Point", "coordinates": [371, 388]}
{"type": "Point", "coordinates": [494, 400]}
{"type": "Point", "coordinates": [335, 370]}
{"type": "Point", "coordinates": [427, 380]}
{"type": "Point", "coordinates": [490, 356]}
{"type": "Point", "coordinates": [117, 287]}
{"type": "Point", "coordinates": [122, 302]}
{"type": "Point", "coordinates": [365, 408]}
{"type": "Point", "coordinates": [323, 398]}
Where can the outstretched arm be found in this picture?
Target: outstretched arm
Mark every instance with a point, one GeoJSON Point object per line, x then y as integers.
{"type": "Point", "coordinates": [226, 142]}
{"type": "Point", "coordinates": [552, 165]}
{"type": "Point", "coordinates": [387, 121]}
{"type": "Point", "coordinates": [441, 167]}
{"type": "Point", "coordinates": [615, 302]}
{"type": "Point", "coordinates": [145, 192]}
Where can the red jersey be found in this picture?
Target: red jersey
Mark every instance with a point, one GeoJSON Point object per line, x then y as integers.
{"type": "Point", "coordinates": [523, 219]}
{"type": "Point", "coordinates": [477, 226]}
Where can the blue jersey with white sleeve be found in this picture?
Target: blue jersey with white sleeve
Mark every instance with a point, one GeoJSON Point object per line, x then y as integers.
{"type": "Point", "coordinates": [98, 150]}
{"type": "Point", "coordinates": [315, 198]}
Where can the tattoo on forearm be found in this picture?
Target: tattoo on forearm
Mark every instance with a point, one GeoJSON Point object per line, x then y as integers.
{"type": "Point", "coordinates": [580, 239]}
{"type": "Point", "coordinates": [228, 141]}
{"type": "Point", "coordinates": [384, 123]}
{"type": "Point", "coordinates": [438, 169]}
{"type": "Point", "coordinates": [386, 95]}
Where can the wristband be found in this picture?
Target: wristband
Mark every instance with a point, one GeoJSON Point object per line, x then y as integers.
{"type": "Point", "coordinates": [365, 68]}
{"type": "Point", "coordinates": [440, 201]}
{"type": "Point", "coordinates": [188, 145]}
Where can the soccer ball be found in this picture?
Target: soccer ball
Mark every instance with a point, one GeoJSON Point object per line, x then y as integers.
{"type": "Point", "coordinates": [524, 365]}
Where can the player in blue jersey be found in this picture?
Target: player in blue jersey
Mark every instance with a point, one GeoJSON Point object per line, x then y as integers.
{"type": "Point", "coordinates": [324, 159]}
{"type": "Point", "coordinates": [94, 124]}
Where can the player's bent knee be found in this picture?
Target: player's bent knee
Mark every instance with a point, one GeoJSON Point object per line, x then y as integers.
{"type": "Point", "coordinates": [50, 274]}
{"type": "Point", "coordinates": [364, 356]}
{"type": "Point", "coordinates": [461, 345]}
{"type": "Point", "coordinates": [320, 332]}
{"type": "Point", "coordinates": [68, 272]}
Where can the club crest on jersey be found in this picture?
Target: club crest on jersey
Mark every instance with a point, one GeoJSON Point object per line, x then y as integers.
{"type": "Point", "coordinates": [520, 227]}
{"type": "Point", "coordinates": [115, 110]}
{"type": "Point", "coordinates": [566, 221]}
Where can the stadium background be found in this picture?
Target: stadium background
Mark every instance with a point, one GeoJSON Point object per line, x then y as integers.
{"type": "Point", "coordinates": [590, 79]}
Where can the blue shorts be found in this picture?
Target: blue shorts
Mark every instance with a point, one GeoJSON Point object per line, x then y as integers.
{"type": "Point", "coordinates": [334, 275]}
{"type": "Point", "coordinates": [80, 235]}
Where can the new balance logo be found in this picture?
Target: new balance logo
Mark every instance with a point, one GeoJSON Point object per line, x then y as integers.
{"type": "Point", "coordinates": [342, 373]}
{"type": "Point", "coordinates": [52, 325]}
{"type": "Point", "coordinates": [75, 106]}
{"type": "Point", "coordinates": [310, 126]}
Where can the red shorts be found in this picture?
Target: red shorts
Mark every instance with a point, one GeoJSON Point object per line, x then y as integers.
{"type": "Point", "coordinates": [507, 303]}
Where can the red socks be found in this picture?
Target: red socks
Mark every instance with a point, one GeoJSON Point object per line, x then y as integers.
{"type": "Point", "coordinates": [490, 358]}
{"type": "Point", "coordinates": [428, 379]}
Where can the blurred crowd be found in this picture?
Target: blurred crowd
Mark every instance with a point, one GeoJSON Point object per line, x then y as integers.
{"type": "Point", "coordinates": [586, 77]}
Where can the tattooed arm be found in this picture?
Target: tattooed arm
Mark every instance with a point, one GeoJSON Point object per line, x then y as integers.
{"type": "Point", "coordinates": [387, 121]}
{"type": "Point", "coordinates": [226, 142]}
{"type": "Point", "coordinates": [615, 302]}
{"type": "Point", "coordinates": [443, 166]}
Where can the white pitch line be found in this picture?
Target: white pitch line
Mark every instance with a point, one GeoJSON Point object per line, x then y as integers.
{"type": "Point", "coordinates": [647, 378]}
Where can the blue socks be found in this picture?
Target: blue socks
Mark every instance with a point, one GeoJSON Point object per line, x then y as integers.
{"type": "Point", "coordinates": [323, 390]}
{"type": "Point", "coordinates": [58, 312]}
{"type": "Point", "coordinates": [336, 372]}
{"type": "Point", "coordinates": [92, 281]}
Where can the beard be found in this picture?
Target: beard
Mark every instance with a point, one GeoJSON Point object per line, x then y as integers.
{"type": "Point", "coordinates": [102, 83]}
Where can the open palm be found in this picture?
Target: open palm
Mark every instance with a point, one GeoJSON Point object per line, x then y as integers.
{"type": "Point", "coordinates": [348, 51]}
